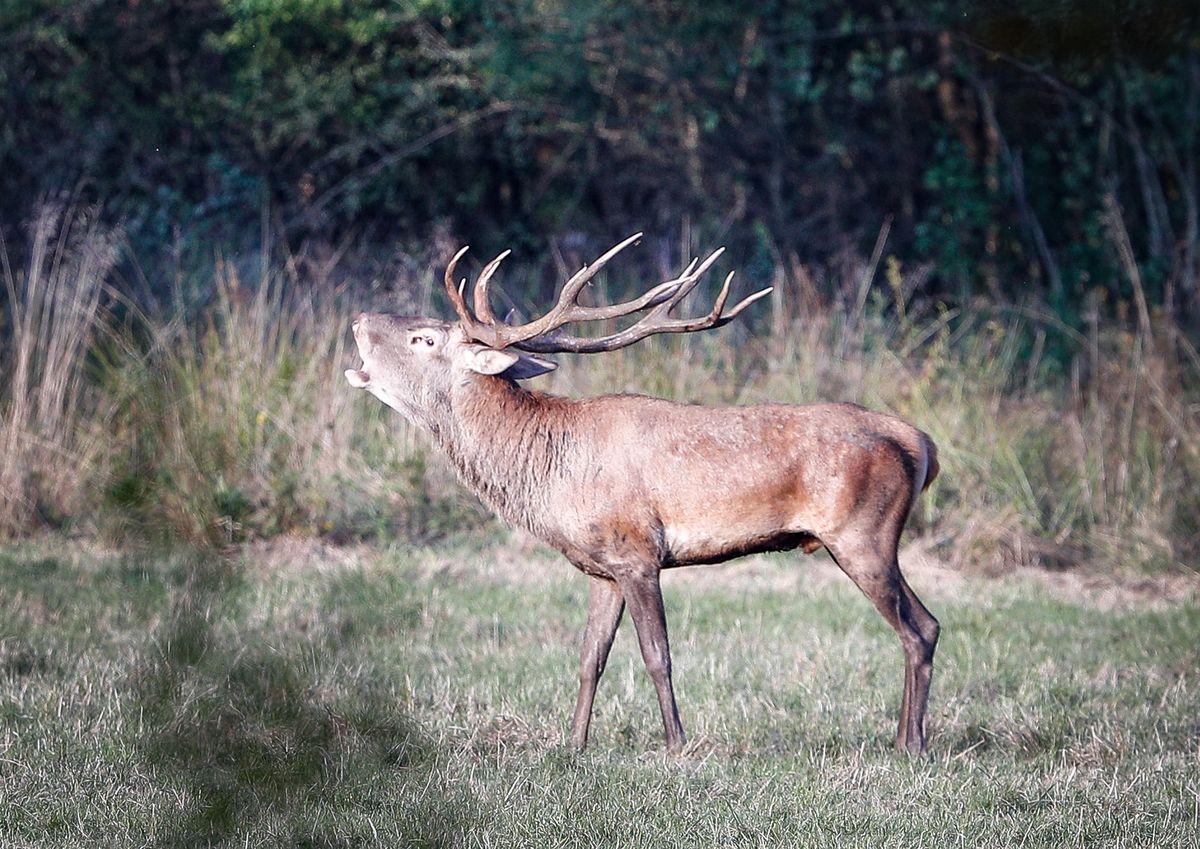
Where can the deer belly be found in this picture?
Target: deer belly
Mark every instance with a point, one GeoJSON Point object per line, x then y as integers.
{"type": "Point", "coordinates": [687, 545]}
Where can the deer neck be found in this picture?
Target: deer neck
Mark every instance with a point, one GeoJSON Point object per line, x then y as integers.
{"type": "Point", "coordinates": [511, 447]}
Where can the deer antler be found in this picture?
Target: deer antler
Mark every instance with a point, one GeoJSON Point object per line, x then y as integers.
{"type": "Point", "coordinates": [541, 336]}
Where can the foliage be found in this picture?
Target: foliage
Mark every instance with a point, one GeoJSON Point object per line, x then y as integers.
{"type": "Point", "coordinates": [992, 135]}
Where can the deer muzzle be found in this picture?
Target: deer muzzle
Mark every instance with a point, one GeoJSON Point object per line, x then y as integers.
{"type": "Point", "coordinates": [358, 378]}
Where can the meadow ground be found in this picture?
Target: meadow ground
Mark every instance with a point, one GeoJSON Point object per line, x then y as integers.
{"type": "Point", "coordinates": [302, 695]}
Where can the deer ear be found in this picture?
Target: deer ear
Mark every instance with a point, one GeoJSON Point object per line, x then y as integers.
{"type": "Point", "coordinates": [527, 365]}
{"type": "Point", "coordinates": [516, 366]}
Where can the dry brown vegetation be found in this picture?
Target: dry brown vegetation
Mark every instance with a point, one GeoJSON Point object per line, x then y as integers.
{"type": "Point", "coordinates": [1059, 447]}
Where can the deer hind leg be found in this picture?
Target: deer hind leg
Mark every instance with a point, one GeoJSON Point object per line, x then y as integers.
{"type": "Point", "coordinates": [877, 574]}
{"type": "Point", "coordinates": [643, 594]}
{"type": "Point", "coordinates": [605, 606]}
{"type": "Point", "coordinates": [918, 617]}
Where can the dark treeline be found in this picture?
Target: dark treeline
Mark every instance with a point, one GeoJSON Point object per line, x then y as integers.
{"type": "Point", "coordinates": [1030, 148]}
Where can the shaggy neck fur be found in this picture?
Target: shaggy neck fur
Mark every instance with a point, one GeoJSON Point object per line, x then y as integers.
{"type": "Point", "coordinates": [512, 447]}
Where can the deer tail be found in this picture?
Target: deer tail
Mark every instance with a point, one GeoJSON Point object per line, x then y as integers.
{"type": "Point", "coordinates": [929, 461]}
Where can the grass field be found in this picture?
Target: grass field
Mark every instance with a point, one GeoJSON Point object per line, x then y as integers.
{"type": "Point", "coordinates": [301, 695]}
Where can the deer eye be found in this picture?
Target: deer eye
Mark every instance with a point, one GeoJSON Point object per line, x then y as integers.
{"type": "Point", "coordinates": [429, 341]}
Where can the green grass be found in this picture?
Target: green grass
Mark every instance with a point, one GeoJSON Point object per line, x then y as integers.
{"type": "Point", "coordinates": [303, 695]}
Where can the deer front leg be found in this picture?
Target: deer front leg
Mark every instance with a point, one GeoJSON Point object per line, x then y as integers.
{"type": "Point", "coordinates": [605, 606]}
{"type": "Point", "coordinates": [644, 597]}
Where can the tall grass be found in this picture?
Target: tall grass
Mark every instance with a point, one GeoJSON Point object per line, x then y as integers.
{"type": "Point", "coordinates": [240, 423]}
{"type": "Point", "coordinates": [1057, 447]}
{"type": "Point", "coordinates": [229, 415]}
{"type": "Point", "coordinates": [46, 435]}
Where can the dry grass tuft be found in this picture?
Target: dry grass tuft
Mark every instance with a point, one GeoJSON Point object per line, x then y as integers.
{"type": "Point", "coordinates": [46, 434]}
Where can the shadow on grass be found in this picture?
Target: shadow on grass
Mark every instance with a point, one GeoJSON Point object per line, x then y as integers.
{"type": "Point", "coordinates": [262, 749]}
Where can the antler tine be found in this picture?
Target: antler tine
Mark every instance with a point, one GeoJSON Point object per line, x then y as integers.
{"type": "Point", "coordinates": [584, 275]}
{"type": "Point", "coordinates": [688, 281]}
{"type": "Point", "coordinates": [476, 330]}
{"type": "Point", "coordinates": [483, 305]}
{"type": "Point", "coordinates": [742, 304]}
{"type": "Point", "coordinates": [456, 291]}
{"type": "Point", "coordinates": [723, 295]}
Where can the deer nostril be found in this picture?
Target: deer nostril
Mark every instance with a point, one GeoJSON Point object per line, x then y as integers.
{"type": "Point", "coordinates": [357, 321]}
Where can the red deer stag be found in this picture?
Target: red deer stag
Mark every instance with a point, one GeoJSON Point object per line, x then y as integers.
{"type": "Point", "coordinates": [625, 485]}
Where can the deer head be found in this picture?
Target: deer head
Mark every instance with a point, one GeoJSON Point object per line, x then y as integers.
{"type": "Point", "coordinates": [412, 363]}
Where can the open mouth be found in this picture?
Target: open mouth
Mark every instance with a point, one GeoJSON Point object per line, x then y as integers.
{"type": "Point", "coordinates": [357, 378]}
